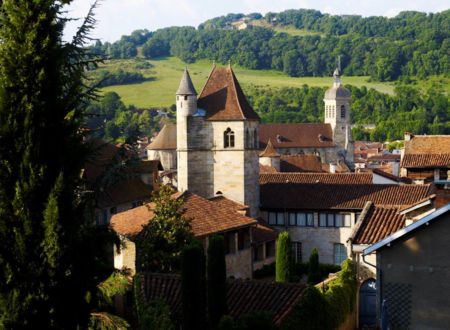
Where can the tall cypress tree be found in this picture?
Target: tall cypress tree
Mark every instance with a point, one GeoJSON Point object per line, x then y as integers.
{"type": "Point", "coordinates": [46, 271]}
{"type": "Point", "coordinates": [216, 280]}
{"type": "Point", "coordinates": [193, 286]}
{"type": "Point", "coordinates": [284, 263]}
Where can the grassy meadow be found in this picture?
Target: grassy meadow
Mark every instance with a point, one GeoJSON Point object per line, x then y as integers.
{"type": "Point", "coordinates": [166, 74]}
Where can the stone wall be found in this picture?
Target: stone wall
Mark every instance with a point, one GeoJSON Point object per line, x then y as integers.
{"type": "Point", "coordinates": [239, 264]}
{"type": "Point", "coordinates": [126, 257]}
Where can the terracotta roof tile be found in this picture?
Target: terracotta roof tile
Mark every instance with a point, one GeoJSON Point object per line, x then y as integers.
{"type": "Point", "coordinates": [166, 138]}
{"type": "Point", "coordinates": [269, 151]}
{"type": "Point", "coordinates": [384, 157]}
{"type": "Point", "coordinates": [391, 176]}
{"type": "Point", "coordinates": [338, 196]}
{"type": "Point", "coordinates": [378, 223]}
{"type": "Point", "coordinates": [206, 217]}
{"type": "Point", "coordinates": [296, 135]}
{"type": "Point", "coordinates": [224, 202]}
{"type": "Point", "coordinates": [266, 169]}
{"type": "Point", "coordinates": [223, 99]}
{"type": "Point", "coordinates": [300, 163]}
{"type": "Point", "coordinates": [427, 151]}
{"type": "Point", "coordinates": [311, 178]}
{"type": "Point", "coordinates": [341, 167]}
{"type": "Point", "coordinates": [426, 160]}
{"type": "Point", "coordinates": [243, 297]}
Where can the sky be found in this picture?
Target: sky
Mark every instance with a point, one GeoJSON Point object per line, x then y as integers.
{"type": "Point", "coordinates": [120, 17]}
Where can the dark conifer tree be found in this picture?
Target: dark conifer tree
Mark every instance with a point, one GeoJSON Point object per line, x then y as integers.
{"type": "Point", "coordinates": [284, 263]}
{"type": "Point", "coordinates": [193, 286]}
{"type": "Point", "coordinates": [216, 280]}
{"type": "Point", "coordinates": [313, 267]}
{"type": "Point", "coordinates": [47, 254]}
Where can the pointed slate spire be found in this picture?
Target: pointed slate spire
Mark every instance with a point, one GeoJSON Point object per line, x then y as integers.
{"type": "Point", "coordinates": [186, 86]}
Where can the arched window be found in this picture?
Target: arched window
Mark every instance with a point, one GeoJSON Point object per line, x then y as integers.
{"type": "Point", "coordinates": [228, 138]}
{"type": "Point", "coordinates": [342, 111]}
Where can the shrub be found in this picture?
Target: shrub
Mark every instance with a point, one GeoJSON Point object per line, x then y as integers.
{"type": "Point", "coordinates": [313, 268]}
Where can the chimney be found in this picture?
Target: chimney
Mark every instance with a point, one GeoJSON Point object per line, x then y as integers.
{"type": "Point", "coordinates": [332, 168]}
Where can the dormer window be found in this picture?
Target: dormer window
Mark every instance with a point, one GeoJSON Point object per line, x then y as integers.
{"type": "Point", "coordinates": [342, 111]}
{"type": "Point", "coordinates": [228, 138]}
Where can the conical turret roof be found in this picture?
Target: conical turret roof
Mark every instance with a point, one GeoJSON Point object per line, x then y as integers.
{"type": "Point", "coordinates": [269, 151]}
{"type": "Point", "coordinates": [337, 91]}
{"type": "Point", "coordinates": [186, 86]}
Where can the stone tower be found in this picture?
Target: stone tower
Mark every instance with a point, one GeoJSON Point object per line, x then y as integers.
{"type": "Point", "coordinates": [217, 140]}
{"type": "Point", "coordinates": [337, 113]}
{"type": "Point", "coordinates": [186, 102]}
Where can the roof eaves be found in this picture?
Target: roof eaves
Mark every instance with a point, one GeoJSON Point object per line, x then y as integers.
{"type": "Point", "coordinates": [402, 232]}
{"type": "Point", "coordinates": [361, 219]}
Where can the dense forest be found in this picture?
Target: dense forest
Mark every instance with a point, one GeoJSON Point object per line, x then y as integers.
{"type": "Point", "coordinates": [410, 44]}
{"type": "Point", "coordinates": [407, 110]}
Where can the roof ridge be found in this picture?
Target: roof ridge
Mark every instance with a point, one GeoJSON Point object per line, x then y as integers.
{"type": "Point", "coordinates": [207, 80]}
{"type": "Point", "coordinates": [233, 81]}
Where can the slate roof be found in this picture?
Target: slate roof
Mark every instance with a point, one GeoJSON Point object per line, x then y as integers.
{"type": "Point", "coordinates": [313, 178]}
{"type": "Point", "coordinates": [243, 297]}
{"type": "Point", "coordinates": [300, 163]}
{"type": "Point", "coordinates": [338, 196]}
{"type": "Point", "coordinates": [296, 135]}
{"type": "Point", "coordinates": [186, 86]}
{"type": "Point", "coordinates": [223, 99]}
{"type": "Point", "coordinates": [206, 217]}
{"type": "Point", "coordinates": [427, 151]}
{"type": "Point", "coordinates": [379, 222]}
{"type": "Point", "coordinates": [166, 138]}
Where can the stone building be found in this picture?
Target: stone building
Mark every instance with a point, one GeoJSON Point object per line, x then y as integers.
{"type": "Point", "coordinates": [332, 141]}
{"type": "Point", "coordinates": [217, 136]}
{"type": "Point", "coordinates": [164, 147]}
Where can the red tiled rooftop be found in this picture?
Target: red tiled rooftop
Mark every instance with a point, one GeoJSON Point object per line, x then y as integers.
{"type": "Point", "coordinates": [310, 178]}
{"type": "Point", "coordinates": [269, 151]}
{"type": "Point", "coordinates": [300, 163]}
{"type": "Point", "coordinates": [426, 160]}
{"type": "Point", "coordinates": [243, 297]}
{"type": "Point", "coordinates": [338, 196]}
{"type": "Point", "coordinates": [296, 135]}
{"type": "Point", "coordinates": [223, 99]}
{"type": "Point", "coordinates": [427, 151]}
{"type": "Point", "coordinates": [378, 223]}
{"type": "Point", "coordinates": [266, 169]}
{"type": "Point", "coordinates": [206, 217]}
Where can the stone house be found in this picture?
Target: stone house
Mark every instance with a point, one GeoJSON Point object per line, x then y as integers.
{"type": "Point", "coordinates": [412, 274]}
{"type": "Point", "coordinates": [120, 181]}
{"type": "Point", "coordinates": [164, 147]}
{"type": "Point", "coordinates": [426, 158]}
{"type": "Point", "coordinates": [207, 217]}
{"type": "Point", "coordinates": [321, 210]}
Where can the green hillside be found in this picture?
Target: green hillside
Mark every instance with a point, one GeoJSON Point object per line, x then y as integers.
{"type": "Point", "coordinates": [167, 74]}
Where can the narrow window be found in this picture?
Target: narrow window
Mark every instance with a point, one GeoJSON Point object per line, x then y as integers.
{"type": "Point", "coordinates": [247, 138]}
{"type": "Point", "coordinates": [340, 253]}
{"type": "Point", "coordinates": [255, 139]}
{"type": "Point", "coordinates": [185, 97]}
{"type": "Point", "coordinates": [272, 218]}
{"type": "Point", "coordinates": [342, 111]}
{"type": "Point", "coordinates": [280, 218]}
{"type": "Point", "coordinates": [228, 138]}
{"type": "Point", "coordinates": [292, 221]}
{"type": "Point", "coordinates": [322, 220]}
{"type": "Point", "coordinates": [330, 220]}
{"type": "Point", "coordinates": [310, 219]}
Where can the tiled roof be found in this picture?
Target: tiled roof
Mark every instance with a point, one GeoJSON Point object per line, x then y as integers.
{"type": "Point", "coordinates": [426, 160]}
{"type": "Point", "coordinates": [266, 169]}
{"type": "Point", "coordinates": [296, 135]}
{"type": "Point", "coordinates": [378, 223]}
{"type": "Point", "coordinates": [243, 297]}
{"type": "Point", "coordinates": [223, 99]}
{"type": "Point", "coordinates": [310, 178]}
{"type": "Point", "coordinates": [340, 167]}
{"type": "Point", "coordinates": [206, 217]}
{"type": "Point", "coordinates": [224, 202]}
{"type": "Point", "coordinates": [166, 138]}
{"type": "Point", "coordinates": [391, 176]}
{"type": "Point", "coordinates": [427, 151]}
{"type": "Point", "coordinates": [338, 196]}
{"type": "Point", "coordinates": [264, 233]}
{"type": "Point", "coordinates": [300, 163]}
{"type": "Point", "coordinates": [384, 157]}
{"type": "Point", "coordinates": [126, 191]}
{"type": "Point", "coordinates": [269, 151]}
{"type": "Point", "coordinates": [103, 154]}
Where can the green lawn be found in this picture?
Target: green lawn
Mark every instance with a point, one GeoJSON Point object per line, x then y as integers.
{"type": "Point", "coordinates": [167, 73]}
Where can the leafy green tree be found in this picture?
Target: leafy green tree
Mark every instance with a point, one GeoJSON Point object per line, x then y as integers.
{"type": "Point", "coordinates": [284, 259]}
{"type": "Point", "coordinates": [49, 259]}
{"type": "Point", "coordinates": [193, 286]}
{"type": "Point", "coordinates": [159, 245]}
{"type": "Point", "coordinates": [313, 267]}
{"type": "Point", "coordinates": [216, 280]}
